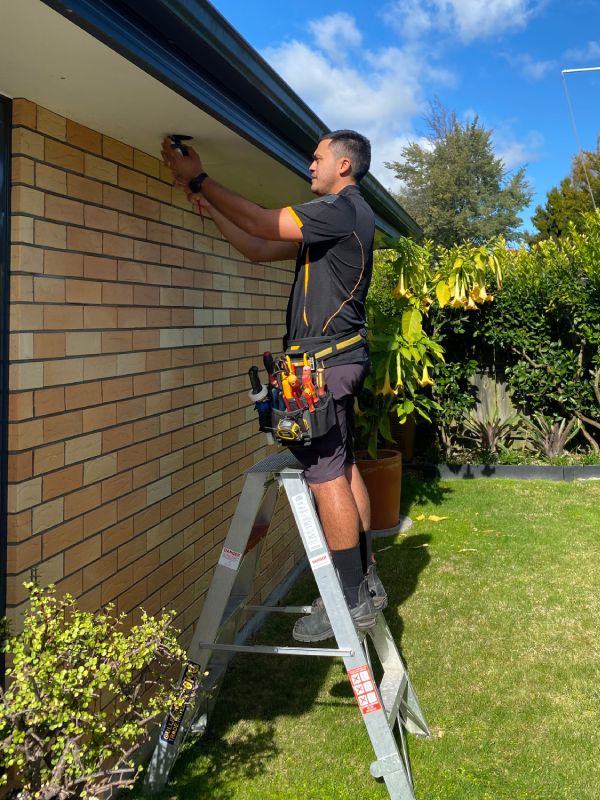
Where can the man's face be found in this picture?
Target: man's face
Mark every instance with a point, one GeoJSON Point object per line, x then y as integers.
{"type": "Point", "coordinates": [325, 169]}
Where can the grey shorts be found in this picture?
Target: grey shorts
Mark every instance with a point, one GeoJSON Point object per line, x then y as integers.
{"type": "Point", "coordinates": [328, 457]}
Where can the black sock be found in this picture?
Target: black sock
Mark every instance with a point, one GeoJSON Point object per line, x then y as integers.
{"type": "Point", "coordinates": [348, 564]}
{"type": "Point", "coordinates": [365, 540]}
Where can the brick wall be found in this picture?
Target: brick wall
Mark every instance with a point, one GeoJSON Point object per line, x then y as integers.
{"type": "Point", "coordinates": [133, 325]}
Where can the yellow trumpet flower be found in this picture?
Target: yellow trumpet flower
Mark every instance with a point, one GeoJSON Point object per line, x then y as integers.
{"type": "Point", "coordinates": [425, 378]}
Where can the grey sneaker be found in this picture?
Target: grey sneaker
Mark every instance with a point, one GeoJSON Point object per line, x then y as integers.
{"type": "Point", "coordinates": [316, 626]}
{"type": "Point", "coordinates": [377, 589]}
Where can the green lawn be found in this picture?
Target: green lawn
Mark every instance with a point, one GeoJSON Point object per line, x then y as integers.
{"type": "Point", "coordinates": [496, 610]}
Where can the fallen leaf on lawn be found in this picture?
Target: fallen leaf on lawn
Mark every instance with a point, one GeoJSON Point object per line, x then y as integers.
{"type": "Point", "coordinates": [416, 546]}
{"type": "Point", "coordinates": [468, 550]}
{"type": "Point", "coordinates": [420, 518]}
{"type": "Point", "coordinates": [383, 549]}
{"type": "Point", "coordinates": [435, 518]}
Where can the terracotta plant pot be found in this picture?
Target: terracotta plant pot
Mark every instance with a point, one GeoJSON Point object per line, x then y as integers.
{"type": "Point", "coordinates": [383, 478]}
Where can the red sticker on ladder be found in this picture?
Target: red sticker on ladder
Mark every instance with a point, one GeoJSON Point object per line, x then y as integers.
{"type": "Point", "coordinates": [364, 689]}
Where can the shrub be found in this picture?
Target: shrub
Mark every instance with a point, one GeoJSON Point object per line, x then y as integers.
{"type": "Point", "coordinates": [83, 691]}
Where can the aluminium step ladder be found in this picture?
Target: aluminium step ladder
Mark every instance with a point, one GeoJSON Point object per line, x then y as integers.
{"type": "Point", "coordinates": [389, 710]}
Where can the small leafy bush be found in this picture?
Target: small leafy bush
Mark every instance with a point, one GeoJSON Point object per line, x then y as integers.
{"type": "Point", "coordinates": [550, 436]}
{"type": "Point", "coordinates": [491, 434]}
{"type": "Point", "coordinates": [83, 691]}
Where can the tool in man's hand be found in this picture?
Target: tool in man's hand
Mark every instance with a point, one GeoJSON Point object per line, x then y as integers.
{"type": "Point", "coordinates": [259, 395]}
{"type": "Point", "coordinates": [177, 140]}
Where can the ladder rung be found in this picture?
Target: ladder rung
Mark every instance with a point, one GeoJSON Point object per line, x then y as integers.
{"type": "Point", "coordinates": [281, 609]}
{"type": "Point", "coordinates": [329, 652]}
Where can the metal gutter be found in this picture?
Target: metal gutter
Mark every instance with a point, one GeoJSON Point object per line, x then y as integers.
{"type": "Point", "coordinates": [5, 153]}
{"type": "Point", "coordinates": [188, 46]}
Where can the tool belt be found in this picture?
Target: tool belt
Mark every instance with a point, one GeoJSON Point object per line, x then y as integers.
{"type": "Point", "coordinates": [309, 412]}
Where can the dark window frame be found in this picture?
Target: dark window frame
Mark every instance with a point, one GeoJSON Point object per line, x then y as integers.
{"type": "Point", "coordinates": [5, 169]}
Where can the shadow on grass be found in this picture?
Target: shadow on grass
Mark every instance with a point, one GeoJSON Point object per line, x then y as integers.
{"type": "Point", "coordinates": [418, 491]}
{"type": "Point", "coordinates": [241, 736]}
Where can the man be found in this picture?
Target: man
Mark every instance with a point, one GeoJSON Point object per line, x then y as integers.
{"type": "Point", "coordinates": [331, 239]}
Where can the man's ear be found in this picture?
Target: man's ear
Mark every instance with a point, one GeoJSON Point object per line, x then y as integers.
{"type": "Point", "coordinates": [345, 167]}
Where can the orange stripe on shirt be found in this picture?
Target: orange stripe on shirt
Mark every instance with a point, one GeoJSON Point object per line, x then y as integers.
{"type": "Point", "coordinates": [295, 216]}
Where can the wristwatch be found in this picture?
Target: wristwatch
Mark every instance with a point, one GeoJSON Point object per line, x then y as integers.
{"type": "Point", "coordinates": [196, 183]}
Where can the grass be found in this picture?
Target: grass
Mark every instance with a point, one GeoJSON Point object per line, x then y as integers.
{"type": "Point", "coordinates": [496, 612]}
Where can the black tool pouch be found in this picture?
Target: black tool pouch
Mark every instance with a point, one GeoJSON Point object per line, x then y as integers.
{"type": "Point", "coordinates": [300, 427]}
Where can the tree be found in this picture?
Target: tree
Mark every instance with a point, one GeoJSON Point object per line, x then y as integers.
{"type": "Point", "coordinates": [455, 187]}
{"type": "Point", "coordinates": [569, 201]}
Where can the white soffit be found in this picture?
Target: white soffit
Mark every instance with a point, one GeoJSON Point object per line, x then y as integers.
{"type": "Point", "coordinates": [47, 59]}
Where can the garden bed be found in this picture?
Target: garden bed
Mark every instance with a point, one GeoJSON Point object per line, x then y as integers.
{"type": "Point", "coordinates": [523, 472]}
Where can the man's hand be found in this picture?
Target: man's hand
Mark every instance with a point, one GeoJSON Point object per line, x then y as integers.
{"type": "Point", "coordinates": [184, 168]}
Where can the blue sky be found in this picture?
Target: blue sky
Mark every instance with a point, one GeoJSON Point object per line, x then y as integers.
{"type": "Point", "coordinates": [375, 66]}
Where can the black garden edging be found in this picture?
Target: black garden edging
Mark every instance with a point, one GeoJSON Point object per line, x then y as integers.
{"type": "Point", "coordinates": [522, 472]}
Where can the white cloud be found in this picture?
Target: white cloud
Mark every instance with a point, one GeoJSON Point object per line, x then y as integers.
{"type": "Point", "coordinates": [379, 97]}
{"type": "Point", "coordinates": [531, 69]}
{"type": "Point", "coordinates": [591, 52]}
{"type": "Point", "coordinates": [335, 34]}
{"type": "Point", "coordinates": [468, 19]}
{"type": "Point", "coordinates": [516, 153]}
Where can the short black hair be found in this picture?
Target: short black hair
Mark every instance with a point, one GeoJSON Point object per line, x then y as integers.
{"type": "Point", "coordinates": [354, 145]}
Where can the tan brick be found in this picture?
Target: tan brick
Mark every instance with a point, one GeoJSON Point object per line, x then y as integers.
{"type": "Point", "coordinates": [117, 486]}
{"type": "Point", "coordinates": [100, 168]}
{"type": "Point", "coordinates": [116, 198]}
{"type": "Point", "coordinates": [145, 163]}
{"type": "Point", "coordinates": [20, 466]}
{"type": "Point", "coordinates": [131, 456]}
{"type": "Point", "coordinates": [24, 495]}
{"type": "Point", "coordinates": [62, 537]}
{"type": "Point", "coordinates": [82, 554]}
{"type": "Point", "coordinates": [145, 474]}
{"type": "Point", "coordinates": [21, 288]}
{"type": "Point", "coordinates": [99, 367]}
{"type": "Point", "coordinates": [50, 178]}
{"type": "Point", "coordinates": [130, 551]}
{"type": "Point", "coordinates": [82, 395]}
{"type": "Point", "coordinates": [56, 263]}
{"type": "Point", "coordinates": [119, 246]}
{"type": "Point", "coordinates": [46, 459]}
{"type": "Point", "coordinates": [117, 584]}
{"type": "Point", "coordinates": [128, 179]}
{"type": "Point", "coordinates": [57, 373]}
{"type": "Point", "coordinates": [116, 389]}
{"type": "Point", "coordinates": [26, 259]}
{"type": "Point", "coordinates": [116, 341]}
{"type": "Point", "coordinates": [85, 292]}
{"type": "Point", "coordinates": [49, 401]}
{"type": "Point", "coordinates": [104, 219]}
{"type": "Point", "coordinates": [146, 295]}
{"type": "Point", "coordinates": [159, 190]}
{"type": "Point", "coordinates": [99, 468]}
{"type": "Point", "coordinates": [99, 267]}
{"type": "Point", "coordinates": [83, 343]}
{"type": "Point", "coordinates": [49, 290]}
{"type": "Point", "coordinates": [100, 519]}
{"type": "Point", "coordinates": [81, 501]}
{"type": "Point", "coordinates": [146, 207]}
{"type": "Point", "coordinates": [20, 406]}
{"type": "Point", "coordinates": [101, 317]}
{"type": "Point", "coordinates": [47, 515]}
{"type": "Point", "coordinates": [49, 345]}
{"type": "Point", "coordinates": [62, 155]}
{"type": "Point", "coordinates": [100, 570]}
{"type": "Point", "coordinates": [83, 448]}
{"type": "Point", "coordinates": [117, 294]}
{"type": "Point", "coordinates": [21, 346]}
{"type": "Point", "coordinates": [132, 226]}
{"type": "Point", "coordinates": [146, 340]}
{"type": "Point", "coordinates": [62, 481]}
{"type": "Point", "coordinates": [51, 124]}
{"type": "Point", "coordinates": [63, 426]}
{"type": "Point", "coordinates": [129, 363]}
{"type": "Point", "coordinates": [63, 317]}
{"type": "Point", "coordinates": [99, 417]}
{"type": "Point", "coordinates": [27, 143]}
{"type": "Point", "coordinates": [157, 232]}
{"type": "Point", "coordinates": [24, 112]}
{"type": "Point", "coordinates": [117, 151]}
{"type": "Point", "coordinates": [128, 410]}
{"type": "Point", "coordinates": [18, 526]}
{"type": "Point", "coordinates": [49, 234]}
{"type": "Point", "coordinates": [25, 200]}
{"type": "Point", "coordinates": [26, 376]}
{"type": "Point", "coordinates": [116, 439]}
{"type": "Point", "coordinates": [64, 210]}
{"type": "Point", "coordinates": [85, 138]}
{"type": "Point", "coordinates": [22, 229]}
{"type": "Point", "coordinates": [83, 188]}
{"type": "Point", "coordinates": [84, 240]}
{"type": "Point", "coordinates": [24, 555]}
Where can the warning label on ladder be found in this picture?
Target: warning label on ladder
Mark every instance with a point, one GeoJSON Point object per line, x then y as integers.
{"type": "Point", "coordinates": [306, 522]}
{"type": "Point", "coordinates": [364, 689]}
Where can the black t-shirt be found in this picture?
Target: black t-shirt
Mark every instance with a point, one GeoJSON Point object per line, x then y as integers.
{"type": "Point", "coordinates": [334, 265]}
